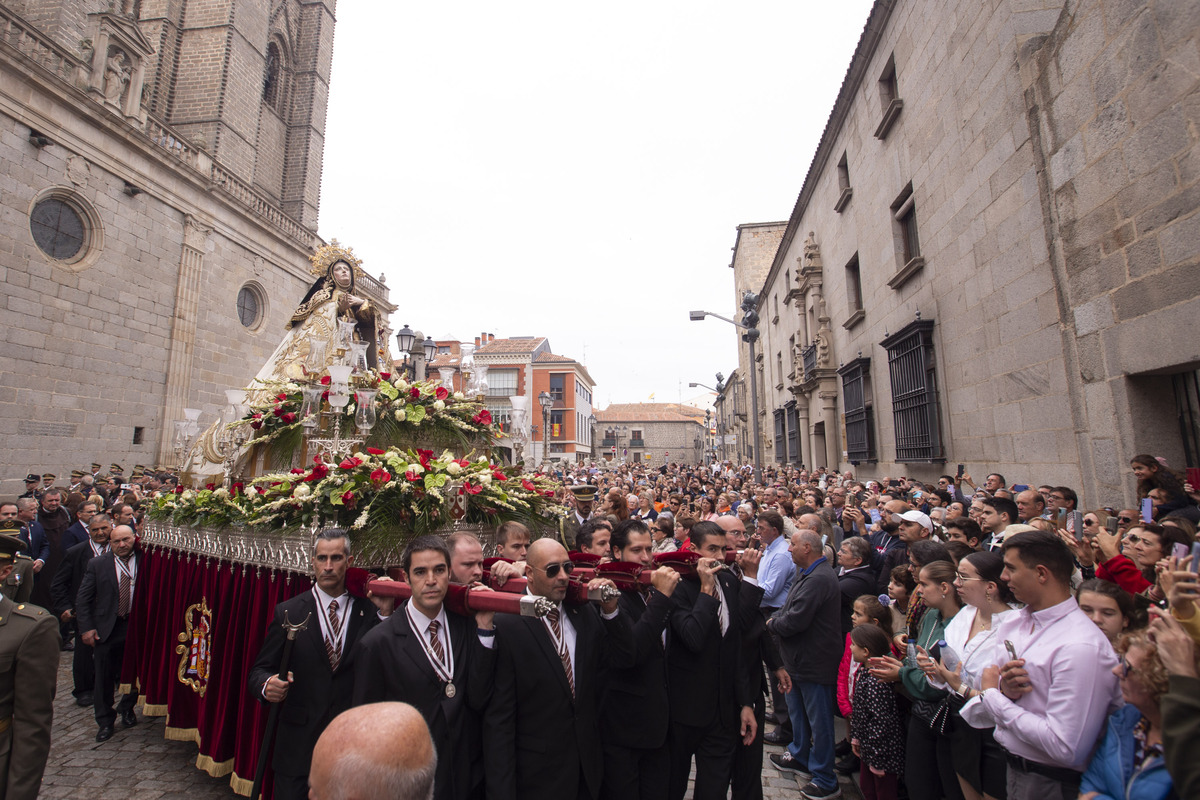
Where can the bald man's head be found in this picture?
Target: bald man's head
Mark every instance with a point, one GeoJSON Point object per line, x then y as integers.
{"type": "Point", "coordinates": [376, 750]}
{"type": "Point", "coordinates": [547, 556]}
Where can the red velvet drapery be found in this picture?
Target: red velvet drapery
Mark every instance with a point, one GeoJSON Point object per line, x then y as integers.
{"type": "Point", "coordinates": [225, 723]}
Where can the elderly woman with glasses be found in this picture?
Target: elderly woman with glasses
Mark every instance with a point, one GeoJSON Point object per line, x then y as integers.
{"type": "Point", "coordinates": [1129, 761]}
{"type": "Point", "coordinates": [1148, 544]}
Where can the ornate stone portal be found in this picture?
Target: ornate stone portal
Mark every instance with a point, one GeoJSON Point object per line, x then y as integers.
{"type": "Point", "coordinates": [118, 53]}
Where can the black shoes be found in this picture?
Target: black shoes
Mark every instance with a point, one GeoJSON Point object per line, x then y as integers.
{"type": "Point", "coordinates": [842, 748]}
{"type": "Point", "coordinates": [104, 734]}
{"type": "Point", "coordinates": [128, 718]}
{"type": "Point", "coordinates": [848, 765]}
{"type": "Point", "coordinates": [84, 700]}
{"type": "Point", "coordinates": [777, 736]}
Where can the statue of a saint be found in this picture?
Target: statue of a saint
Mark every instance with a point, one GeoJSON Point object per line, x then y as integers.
{"type": "Point", "coordinates": [330, 300]}
{"type": "Point", "coordinates": [116, 77]}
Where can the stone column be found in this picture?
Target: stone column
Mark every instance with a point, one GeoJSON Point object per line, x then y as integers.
{"type": "Point", "coordinates": [833, 458]}
{"type": "Point", "coordinates": [177, 395]}
{"type": "Point", "coordinates": [805, 431]}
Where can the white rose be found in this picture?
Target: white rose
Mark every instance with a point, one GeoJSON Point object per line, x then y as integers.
{"type": "Point", "coordinates": [453, 468]}
{"type": "Point", "coordinates": [187, 495]}
{"type": "Point", "coordinates": [302, 491]}
{"type": "Point", "coordinates": [402, 384]}
{"type": "Point", "coordinates": [485, 479]}
{"type": "Point", "coordinates": [222, 493]}
{"type": "Point", "coordinates": [400, 415]}
{"type": "Point", "coordinates": [439, 405]}
{"type": "Point", "coordinates": [459, 396]}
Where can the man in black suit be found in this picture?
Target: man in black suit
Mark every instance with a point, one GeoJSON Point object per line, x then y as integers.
{"type": "Point", "coordinates": [636, 759]}
{"type": "Point", "coordinates": [102, 609]}
{"type": "Point", "coordinates": [541, 737]}
{"type": "Point", "coordinates": [64, 590]}
{"type": "Point", "coordinates": [437, 661]}
{"type": "Point", "coordinates": [78, 532]}
{"type": "Point", "coordinates": [32, 535]}
{"type": "Point", "coordinates": [712, 704]}
{"type": "Point", "coordinates": [320, 682]}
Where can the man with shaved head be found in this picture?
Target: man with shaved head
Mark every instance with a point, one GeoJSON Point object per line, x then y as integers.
{"type": "Point", "coordinates": [373, 751]}
{"type": "Point", "coordinates": [541, 728]}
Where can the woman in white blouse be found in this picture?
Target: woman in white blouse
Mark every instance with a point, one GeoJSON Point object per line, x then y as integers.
{"type": "Point", "coordinates": [978, 761]}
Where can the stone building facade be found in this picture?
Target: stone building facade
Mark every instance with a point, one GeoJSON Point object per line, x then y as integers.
{"type": "Point", "coordinates": [995, 256]}
{"type": "Point", "coordinates": [160, 166]}
{"type": "Point", "coordinates": [651, 434]}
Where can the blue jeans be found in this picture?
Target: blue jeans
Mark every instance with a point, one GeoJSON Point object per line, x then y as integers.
{"type": "Point", "coordinates": [810, 706]}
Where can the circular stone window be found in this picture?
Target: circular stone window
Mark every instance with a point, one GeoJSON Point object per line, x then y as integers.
{"type": "Point", "coordinates": [250, 306]}
{"type": "Point", "coordinates": [58, 229]}
{"type": "Point", "coordinates": [66, 228]}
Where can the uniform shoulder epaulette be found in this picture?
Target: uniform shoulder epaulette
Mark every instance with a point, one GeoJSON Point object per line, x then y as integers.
{"type": "Point", "coordinates": [30, 610]}
{"type": "Point", "coordinates": [20, 556]}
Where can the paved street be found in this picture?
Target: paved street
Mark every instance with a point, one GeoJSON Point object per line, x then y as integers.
{"type": "Point", "coordinates": [139, 764]}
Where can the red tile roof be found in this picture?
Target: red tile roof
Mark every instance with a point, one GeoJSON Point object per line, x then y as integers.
{"type": "Point", "coordinates": [506, 346]}
{"type": "Point", "coordinates": [649, 412]}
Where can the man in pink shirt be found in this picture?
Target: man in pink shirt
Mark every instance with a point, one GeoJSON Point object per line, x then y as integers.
{"type": "Point", "coordinates": [1048, 697]}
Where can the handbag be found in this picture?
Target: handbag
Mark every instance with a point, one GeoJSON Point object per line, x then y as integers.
{"type": "Point", "coordinates": [942, 721]}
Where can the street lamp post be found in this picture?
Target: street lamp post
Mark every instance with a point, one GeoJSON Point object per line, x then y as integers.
{"type": "Point", "coordinates": [750, 336]}
{"type": "Point", "coordinates": [546, 401]}
{"type": "Point", "coordinates": [591, 421]}
{"type": "Point", "coordinates": [406, 339]}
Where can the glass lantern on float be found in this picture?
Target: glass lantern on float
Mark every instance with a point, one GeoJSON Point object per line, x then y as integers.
{"type": "Point", "coordinates": [479, 384]}
{"type": "Point", "coordinates": [447, 376]}
{"type": "Point", "coordinates": [466, 366]}
{"type": "Point", "coordinates": [230, 438]}
{"type": "Point", "coordinates": [185, 433]}
{"type": "Point", "coordinates": [323, 430]}
{"type": "Point", "coordinates": [364, 411]}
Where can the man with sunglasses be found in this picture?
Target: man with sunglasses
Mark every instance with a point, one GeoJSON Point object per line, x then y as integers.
{"type": "Point", "coordinates": [541, 728]}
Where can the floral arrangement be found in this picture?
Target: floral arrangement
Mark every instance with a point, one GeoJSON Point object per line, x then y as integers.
{"type": "Point", "coordinates": [404, 411]}
{"type": "Point", "coordinates": [391, 494]}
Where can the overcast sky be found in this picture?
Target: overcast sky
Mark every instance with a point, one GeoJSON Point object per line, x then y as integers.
{"type": "Point", "coordinates": [576, 171]}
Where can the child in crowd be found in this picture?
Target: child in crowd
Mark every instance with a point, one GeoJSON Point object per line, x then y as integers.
{"type": "Point", "coordinates": [876, 729]}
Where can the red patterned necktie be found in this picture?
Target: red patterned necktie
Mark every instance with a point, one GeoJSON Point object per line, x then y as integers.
{"type": "Point", "coordinates": [123, 599]}
{"type": "Point", "coordinates": [563, 653]}
{"type": "Point", "coordinates": [435, 641]}
{"type": "Point", "coordinates": [335, 627]}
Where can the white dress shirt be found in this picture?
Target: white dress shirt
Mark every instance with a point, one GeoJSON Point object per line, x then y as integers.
{"type": "Point", "coordinates": [1070, 663]}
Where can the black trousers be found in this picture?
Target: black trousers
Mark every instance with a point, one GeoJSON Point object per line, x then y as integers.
{"type": "Point", "coordinates": [748, 760]}
{"type": "Point", "coordinates": [635, 773]}
{"type": "Point", "coordinates": [713, 746]}
{"type": "Point", "coordinates": [83, 669]}
{"type": "Point", "coordinates": [290, 787]}
{"type": "Point", "coordinates": [109, 655]}
{"type": "Point", "coordinates": [929, 764]}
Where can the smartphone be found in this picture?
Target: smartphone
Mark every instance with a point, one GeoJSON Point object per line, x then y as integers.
{"type": "Point", "coordinates": [1193, 477]}
{"type": "Point", "coordinates": [1195, 565]}
{"type": "Point", "coordinates": [1012, 651]}
{"type": "Point", "coordinates": [1181, 551]}
{"type": "Point", "coordinates": [1111, 524]}
{"type": "Point", "coordinates": [961, 470]}
{"type": "Point", "coordinates": [1075, 525]}
{"type": "Point", "coordinates": [1147, 510]}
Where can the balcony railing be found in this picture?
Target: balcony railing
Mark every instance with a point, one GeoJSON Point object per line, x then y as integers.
{"type": "Point", "coordinates": [810, 360]}
{"type": "Point", "coordinates": [637, 442]}
{"type": "Point", "coordinates": [608, 442]}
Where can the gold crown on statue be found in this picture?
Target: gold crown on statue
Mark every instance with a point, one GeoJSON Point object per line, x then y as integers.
{"type": "Point", "coordinates": [325, 257]}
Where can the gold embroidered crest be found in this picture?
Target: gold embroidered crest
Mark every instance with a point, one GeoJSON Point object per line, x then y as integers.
{"type": "Point", "coordinates": [195, 646]}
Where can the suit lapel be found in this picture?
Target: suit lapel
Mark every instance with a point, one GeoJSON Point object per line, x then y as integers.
{"type": "Point", "coordinates": [583, 643]}
{"type": "Point", "coordinates": [313, 631]}
{"type": "Point", "coordinates": [541, 634]}
{"type": "Point", "coordinates": [410, 645]}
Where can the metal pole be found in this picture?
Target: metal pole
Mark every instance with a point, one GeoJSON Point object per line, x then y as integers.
{"type": "Point", "coordinates": [752, 337]}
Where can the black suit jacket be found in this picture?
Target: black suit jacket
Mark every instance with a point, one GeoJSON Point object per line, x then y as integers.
{"type": "Point", "coordinates": [99, 594]}
{"type": "Point", "coordinates": [74, 535]}
{"type": "Point", "coordinates": [854, 585]}
{"type": "Point", "coordinates": [539, 741]}
{"type": "Point", "coordinates": [65, 586]}
{"type": "Point", "coordinates": [391, 666]}
{"type": "Point", "coordinates": [317, 693]}
{"type": "Point", "coordinates": [710, 679]}
{"type": "Point", "coordinates": [634, 710]}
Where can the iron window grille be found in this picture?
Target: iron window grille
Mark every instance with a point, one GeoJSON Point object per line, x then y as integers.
{"type": "Point", "coordinates": [915, 413]}
{"type": "Point", "coordinates": [859, 410]}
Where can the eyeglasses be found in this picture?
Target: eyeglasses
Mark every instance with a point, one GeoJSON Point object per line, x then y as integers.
{"type": "Point", "coordinates": [1124, 666]}
{"type": "Point", "coordinates": [1133, 538]}
{"type": "Point", "coordinates": [551, 570]}
{"type": "Point", "coordinates": [1126, 520]}
{"type": "Point", "coordinates": [1087, 521]}
{"type": "Point", "coordinates": [964, 578]}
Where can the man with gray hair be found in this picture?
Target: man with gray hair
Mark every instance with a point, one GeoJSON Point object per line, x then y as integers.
{"type": "Point", "coordinates": [320, 683]}
{"type": "Point", "coordinates": [374, 751]}
{"type": "Point", "coordinates": [810, 640]}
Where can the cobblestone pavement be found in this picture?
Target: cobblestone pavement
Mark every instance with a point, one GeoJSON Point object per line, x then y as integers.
{"type": "Point", "coordinates": [139, 764]}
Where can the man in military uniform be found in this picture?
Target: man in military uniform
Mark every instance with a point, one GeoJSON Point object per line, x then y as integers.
{"type": "Point", "coordinates": [29, 648]}
{"type": "Point", "coordinates": [33, 486]}
{"type": "Point", "coordinates": [585, 496]}
{"type": "Point", "coordinates": [18, 586]}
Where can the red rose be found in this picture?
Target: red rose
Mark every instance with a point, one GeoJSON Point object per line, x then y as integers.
{"type": "Point", "coordinates": [178, 490]}
{"type": "Point", "coordinates": [348, 499]}
{"type": "Point", "coordinates": [472, 488]}
{"type": "Point", "coordinates": [380, 477]}
{"type": "Point", "coordinates": [528, 485]}
{"type": "Point", "coordinates": [281, 396]}
{"type": "Point", "coordinates": [375, 451]}
{"type": "Point", "coordinates": [277, 410]}
{"type": "Point", "coordinates": [319, 471]}
{"type": "Point", "coordinates": [324, 396]}
{"type": "Point", "coordinates": [325, 381]}
{"type": "Point", "coordinates": [237, 488]}
{"type": "Point", "coordinates": [441, 393]}
{"type": "Point", "coordinates": [210, 486]}
{"type": "Point", "coordinates": [289, 417]}
{"type": "Point", "coordinates": [385, 375]}
{"type": "Point", "coordinates": [297, 471]}
{"type": "Point", "coordinates": [414, 393]}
